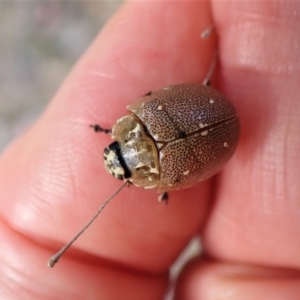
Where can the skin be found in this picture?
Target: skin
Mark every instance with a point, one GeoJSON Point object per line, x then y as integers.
{"type": "Point", "coordinates": [52, 177]}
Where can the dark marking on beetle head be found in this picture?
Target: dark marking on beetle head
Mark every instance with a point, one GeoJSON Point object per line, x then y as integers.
{"type": "Point", "coordinates": [114, 162]}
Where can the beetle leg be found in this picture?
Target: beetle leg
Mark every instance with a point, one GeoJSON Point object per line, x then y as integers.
{"type": "Point", "coordinates": [163, 197]}
{"type": "Point", "coordinates": [98, 128]}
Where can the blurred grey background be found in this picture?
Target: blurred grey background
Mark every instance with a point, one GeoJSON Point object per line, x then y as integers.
{"type": "Point", "coordinates": [39, 43]}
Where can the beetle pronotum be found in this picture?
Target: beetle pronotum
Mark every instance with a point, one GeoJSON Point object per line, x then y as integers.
{"type": "Point", "coordinates": [173, 138]}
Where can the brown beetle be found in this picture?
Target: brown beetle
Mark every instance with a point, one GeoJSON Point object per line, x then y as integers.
{"type": "Point", "coordinates": [173, 138]}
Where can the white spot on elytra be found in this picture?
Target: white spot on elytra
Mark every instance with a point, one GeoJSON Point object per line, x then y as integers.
{"type": "Point", "coordinates": [159, 107]}
{"type": "Point", "coordinates": [185, 173]}
{"type": "Point", "coordinates": [211, 101]}
{"type": "Point", "coordinates": [202, 125]}
{"type": "Point", "coordinates": [204, 133]}
{"type": "Point", "coordinates": [225, 145]}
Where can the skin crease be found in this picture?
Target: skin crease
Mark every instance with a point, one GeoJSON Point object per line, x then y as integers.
{"type": "Point", "coordinates": [52, 178]}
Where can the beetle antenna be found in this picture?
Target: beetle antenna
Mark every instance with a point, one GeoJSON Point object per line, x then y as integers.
{"type": "Point", "coordinates": [211, 69]}
{"type": "Point", "coordinates": [204, 35]}
{"type": "Point", "coordinates": [55, 258]}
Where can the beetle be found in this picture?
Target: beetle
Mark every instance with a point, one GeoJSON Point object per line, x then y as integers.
{"type": "Point", "coordinates": [171, 139]}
